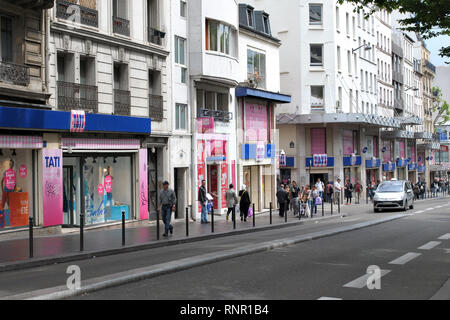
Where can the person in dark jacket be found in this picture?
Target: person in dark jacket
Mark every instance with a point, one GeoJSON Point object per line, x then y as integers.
{"type": "Point", "coordinates": [348, 190]}
{"type": "Point", "coordinates": [282, 197]}
{"type": "Point", "coordinates": [244, 202]}
{"type": "Point", "coordinates": [203, 201]}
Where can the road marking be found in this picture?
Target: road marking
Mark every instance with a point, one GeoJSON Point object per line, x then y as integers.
{"type": "Point", "coordinates": [429, 209]}
{"type": "Point", "coordinates": [328, 298]}
{"type": "Point", "coordinates": [430, 245]}
{"type": "Point", "coordinates": [420, 211]}
{"type": "Point", "coordinates": [445, 237]}
{"type": "Point", "coordinates": [361, 282]}
{"type": "Point", "coordinates": [405, 258]}
{"type": "Point", "coordinates": [438, 207]}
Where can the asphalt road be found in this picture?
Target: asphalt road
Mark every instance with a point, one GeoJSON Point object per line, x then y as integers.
{"type": "Point", "coordinates": [309, 270]}
{"type": "Point", "coordinates": [415, 260]}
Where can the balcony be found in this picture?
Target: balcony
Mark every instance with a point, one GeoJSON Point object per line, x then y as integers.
{"type": "Point", "coordinates": [156, 36]}
{"type": "Point", "coordinates": [155, 107]}
{"type": "Point", "coordinates": [121, 26]}
{"type": "Point", "coordinates": [68, 10]}
{"type": "Point", "coordinates": [423, 135]}
{"type": "Point", "coordinates": [74, 96]}
{"type": "Point", "coordinates": [399, 104]}
{"type": "Point", "coordinates": [430, 66]}
{"type": "Point", "coordinates": [397, 76]}
{"type": "Point", "coordinates": [14, 73]}
{"type": "Point", "coordinates": [122, 102]}
{"type": "Point", "coordinates": [218, 115]}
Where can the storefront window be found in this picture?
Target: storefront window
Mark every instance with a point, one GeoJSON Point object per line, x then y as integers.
{"type": "Point", "coordinates": [107, 188]}
{"type": "Point", "coordinates": [16, 172]}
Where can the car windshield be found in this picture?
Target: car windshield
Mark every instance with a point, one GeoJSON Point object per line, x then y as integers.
{"type": "Point", "coordinates": [390, 187]}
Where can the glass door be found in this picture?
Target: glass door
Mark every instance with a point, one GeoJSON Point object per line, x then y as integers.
{"type": "Point", "coordinates": [68, 200]}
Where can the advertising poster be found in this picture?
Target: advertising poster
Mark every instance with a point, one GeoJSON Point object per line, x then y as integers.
{"type": "Point", "coordinates": [255, 122]}
{"type": "Point", "coordinates": [143, 184]}
{"type": "Point", "coordinates": [224, 182]}
{"type": "Point", "coordinates": [52, 187]}
{"type": "Point", "coordinates": [200, 177]}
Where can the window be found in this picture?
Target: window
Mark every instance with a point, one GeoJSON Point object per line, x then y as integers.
{"type": "Point", "coordinates": [183, 6]}
{"type": "Point", "coordinates": [349, 62]}
{"type": "Point", "coordinates": [250, 17]}
{"type": "Point", "coordinates": [6, 39]}
{"type": "Point", "coordinates": [316, 52]}
{"type": "Point", "coordinates": [180, 57]}
{"type": "Point", "coordinates": [317, 101]}
{"type": "Point", "coordinates": [219, 37]}
{"type": "Point", "coordinates": [266, 24]}
{"type": "Point", "coordinates": [354, 27]}
{"type": "Point", "coordinates": [120, 9]}
{"type": "Point", "coordinates": [339, 58]}
{"type": "Point", "coordinates": [347, 24]}
{"type": "Point", "coordinates": [315, 14]}
{"type": "Point", "coordinates": [180, 116]}
{"type": "Point", "coordinates": [337, 19]}
{"type": "Point", "coordinates": [256, 67]}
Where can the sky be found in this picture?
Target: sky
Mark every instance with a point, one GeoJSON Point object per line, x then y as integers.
{"type": "Point", "coordinates": [434, 45]}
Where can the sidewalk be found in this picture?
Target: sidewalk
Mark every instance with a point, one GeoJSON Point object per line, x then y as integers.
{"type": "Point", "coordinates": [17, 250]}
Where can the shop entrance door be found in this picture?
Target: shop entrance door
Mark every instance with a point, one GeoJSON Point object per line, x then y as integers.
{"type": "Point", "coordinates": [68, 199]}
{"type": "Point", "coordinates": [213, 184]}
{"type": "Point", "coordinates": [322, 176]}
{"type": "Point", "coordinates": [180, 191]}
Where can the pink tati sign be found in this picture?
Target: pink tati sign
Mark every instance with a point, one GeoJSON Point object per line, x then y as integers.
{"type": "Point", "coordinates": [10, 179]}
{"type": "Point", "coordinates": [108, 184]}
{"type": "Point", "coordinates": [23, 171]}
{"type": "Point", "coordinates": [101, 190]}
{"type": "Point", "coordinates": [52, 184]}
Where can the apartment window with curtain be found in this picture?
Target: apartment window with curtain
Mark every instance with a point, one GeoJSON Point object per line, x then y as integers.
{"type": "Point", "coordinates": [256, 67]}
{"type": "Point", "coordinates": [315, 14]}
{"type": "Point", "coordinates": [318, 141]}
{"type": "Point", "coordinates": [316, 53]}
{"type": "Point", "coordinates": [219, 37]}
{"type": "Point", "coordinates": [317, 97]}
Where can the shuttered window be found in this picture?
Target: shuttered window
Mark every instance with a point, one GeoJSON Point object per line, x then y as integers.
{"type": "Point", "coordinates": [318, 141]}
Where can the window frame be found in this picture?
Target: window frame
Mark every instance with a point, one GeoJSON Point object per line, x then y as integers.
{"type": "Point", "coordinates": [317, 106]}
{"type": "Point", "coordinates": [316, 64]}
{"type": "Point", "coordinates": [178, 107]}
{"type": "Point", "coordinates": [320, 5]}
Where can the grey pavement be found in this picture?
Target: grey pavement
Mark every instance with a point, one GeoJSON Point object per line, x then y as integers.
{"type": "Point", "coordinates": [55, 275]}
{"type": "Point", "coordinates": [327, 268]}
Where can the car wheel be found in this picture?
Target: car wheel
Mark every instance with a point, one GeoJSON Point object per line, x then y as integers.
{"type": "Point", "coordinates": [376, 210]}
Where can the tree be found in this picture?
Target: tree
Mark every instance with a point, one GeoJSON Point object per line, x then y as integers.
{"type": "Point", "coordinates": [429, 18]}
{"type": "Point", "coordinates": [442, 107]}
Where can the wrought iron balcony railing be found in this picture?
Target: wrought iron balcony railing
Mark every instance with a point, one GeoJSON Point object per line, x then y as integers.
{"type": "Point", "coordinates": [156, 36]}
{"type": "Point", "coordinates": [14, 73]}
{"type": "Point", "coordinates": [71, 11]}
{"type": "Point", "coordinates": [399, 104]}
{"type": "Point", "coordinates": [155, 107]}
{"type": "Point", "coordinates": [74, 96]}
{"type": "Point", "coordinates": [430, 66]}
{"type": "Point", "coordinates": [121, 26]}
{"type": "Point", "coordinates": [218, 115]}
{"type": "Point", "coordinates": [122, 102]}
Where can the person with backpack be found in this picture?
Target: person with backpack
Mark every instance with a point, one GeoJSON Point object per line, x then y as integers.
{"type": "Point", "coordinates": [244, 203]}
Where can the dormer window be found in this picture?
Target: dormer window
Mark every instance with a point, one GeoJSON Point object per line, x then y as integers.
{"type": "Point", "coordinates": [266, 24]}
{"type": "Point", "coordinates": [250, 17]}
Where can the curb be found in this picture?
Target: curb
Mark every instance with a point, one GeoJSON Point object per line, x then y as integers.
{"type": "Point", "coordinates": [123, 278]}
{"type": "Point", "coordinates": [76, 256]}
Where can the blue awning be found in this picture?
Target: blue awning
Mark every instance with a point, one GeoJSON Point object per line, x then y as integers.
{"type": "Point", "coordinates": [49, 120]}
{"type": "Point", "coordinates": [262, 94]}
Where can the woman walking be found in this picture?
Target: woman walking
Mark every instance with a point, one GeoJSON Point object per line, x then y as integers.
{"type": "Point", "coordinates": [244, 203]}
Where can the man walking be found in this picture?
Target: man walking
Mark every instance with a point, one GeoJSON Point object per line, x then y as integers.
{"type": "Point", "coordinates": [232, 200]}
{"type": "Point", "coordinates": [203, 201]}
{"type": "Point", "coordinates": [167, 201]}
{"type": "Point", "coordinates": [282, 198]}
{"type": "Point", "coordinates": [337, 191]}
{"type": "Point", "coordinates": [295, 190]}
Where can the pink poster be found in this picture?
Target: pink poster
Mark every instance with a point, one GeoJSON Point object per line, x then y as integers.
{"type": "Point", "coordinates": [23, 171]}
{"type": "Point", "coordinates": [205, 125]}
{"type": "Point", "coordinates": [108, 184]}
{"type": "Point", "coordinates": [200, 151]}
{"type": "Point", "coordinates": [256, 122]}
{"type": "Point", "coordinates": [52, 187]}
{"type": "Point", "coordinates": [10, 179]}
{"type": "Point", "coordinates": [200, 176]}
{"type": "Point", "coordinates": [143, 183]}
{"type": "Point", "coordinates": [224, 182]}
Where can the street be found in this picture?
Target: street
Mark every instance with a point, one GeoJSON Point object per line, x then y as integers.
{"type": "Point", "coordinates": [328, 267]}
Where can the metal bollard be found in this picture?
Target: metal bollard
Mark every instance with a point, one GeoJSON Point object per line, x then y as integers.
{"type": "Point", "coordinates": [254, 216]}
{"type": "Point", "coordinates": [332, 206]}
{"type": "Point", "coordinates": [212, 220]}
{"type": "Point", "coordinates": [367, 196]}
{"type": "Point", "coordinates": [270, 213]}
{"type": "Point", "coordinates": [339, 204]}
{"type": "Point", "coordinates": [323, 208]}
{"type": "Point", "coordinates": [286, 206]}
{"type": "Point", "coordinates": [157, 224]}
{"type": "Point", "coordinates": [81, 232]}
{"type": "Point", "coordinates": [31, 237]}
{"type": "Point", "coordinates": [234, 217]}
{"type": "Point", "coordinates": [123, 228]}
{"type": "Point", "coordinates": [187, 222]}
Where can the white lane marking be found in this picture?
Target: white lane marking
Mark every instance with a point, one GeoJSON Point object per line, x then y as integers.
{"type": "Point", "coordinates": [438, 207]}
{"type": "Point", "coordinates": [361, 282]}
{"type": "Point", "coordinates": [430, 245]}
{"type": "Point", "coordinates": [405, 258]}
{"type": "Point", "coordinates": [429, 209]}
{"type": "Point", "coordinates": [329, 298]}
{"type": "Point", "coordinates": [445, 237]}
{"type": "Point", "coordinates": [420, 211]}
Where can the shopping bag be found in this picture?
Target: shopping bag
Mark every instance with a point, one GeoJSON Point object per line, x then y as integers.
{"type": "Point", "coordinates": [250, 212]}
{"type": "Point", "coordinates": [237, 208]}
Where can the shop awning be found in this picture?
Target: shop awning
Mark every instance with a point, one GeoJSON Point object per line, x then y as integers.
{"type": "Point", "coordinates": [262, 94]}
{"type": "Point", "coordinates": [49, 120]}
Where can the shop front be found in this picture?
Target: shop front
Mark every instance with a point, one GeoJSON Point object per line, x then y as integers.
{"type": "Point", "coordinates": [18, 163]}
{"type": "Point", "coordinates": [388, 171]}
{"type": "Point", "coordinates": [373, 171]}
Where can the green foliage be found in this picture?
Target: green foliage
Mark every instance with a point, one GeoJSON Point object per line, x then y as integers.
{"type": "Point", "coordinates": [442, 107]}
{"type": "Point", "coordinates": [429, 18]}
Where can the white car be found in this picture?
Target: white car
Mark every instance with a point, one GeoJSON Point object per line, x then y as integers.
{"type": "Point", "coordinates": [395, 194]}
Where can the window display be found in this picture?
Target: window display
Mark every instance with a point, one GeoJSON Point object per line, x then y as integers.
{"type": "Point", "coordinates": [16, 187]}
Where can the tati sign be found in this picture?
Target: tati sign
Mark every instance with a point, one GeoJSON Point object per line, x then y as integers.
{"type": "Point", "coordinates": [77, 121]}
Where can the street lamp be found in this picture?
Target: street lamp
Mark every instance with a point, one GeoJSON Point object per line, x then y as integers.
{"type": "Point", "coordinates": [367, 47]}
{"type": "Point", "coordinates": [413, 88]}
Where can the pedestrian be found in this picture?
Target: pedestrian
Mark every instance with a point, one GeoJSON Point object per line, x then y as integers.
{"type": "Point", "coordinates": [306, 200]}
{"type": "Point", "coordinates": [244, 203]}
{"type": "Point", "coordinates": [315, 194]}
{"type": "Point", "coordinates": [295, 190]}
{"type": "Point", "coordinates": [282, 198]}
{"type": "Point", "coordinates": [348, 190]}
{"type": "Point", "coordinates": [203, 202]}
{"type": "Point", "coordinates": [330, 191]}
{"type": "Point", "coordinates": [359, 189]}
{"type": "Point", "coordinates": [167, 200]}
{"type": "Point", "coordinates": [320, 187]}
{"type": "Point", "coordinates": [337, 191]}
{"type": "Point", "coordinates": [232, 199]}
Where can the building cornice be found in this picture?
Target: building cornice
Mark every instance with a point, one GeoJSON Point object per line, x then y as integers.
{"type": "Point", "coordinates": [58, 27]}
{"type": "Point", "coordinates": [259, 35]}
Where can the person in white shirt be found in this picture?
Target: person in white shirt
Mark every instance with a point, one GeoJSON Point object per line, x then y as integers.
{"type": "Point", "coordinates": [337, 190]}
{"type": "Point", "coordinates": [320, 187]}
